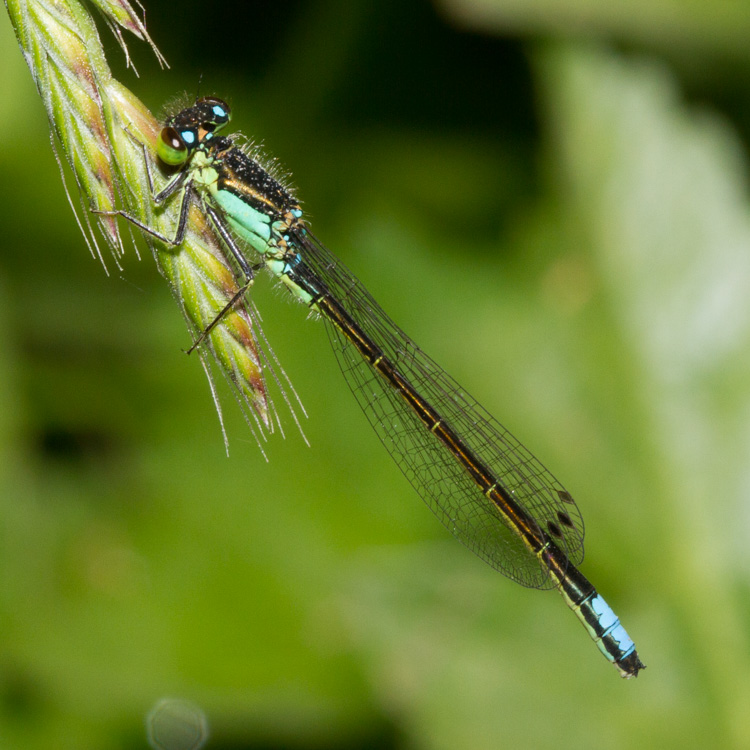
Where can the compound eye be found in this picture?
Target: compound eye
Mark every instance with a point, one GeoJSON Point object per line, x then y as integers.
{"type": "Point", "coordinates": [217, 109]}
{"type": "Point", "coordinates": [171, 147]}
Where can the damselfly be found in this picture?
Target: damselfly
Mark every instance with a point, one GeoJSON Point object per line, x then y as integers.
{"type": "Point", "coordinates": [486, 487]}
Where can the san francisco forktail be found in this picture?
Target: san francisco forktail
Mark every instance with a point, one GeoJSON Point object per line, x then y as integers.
{"type": "Point", "coordinates": [481, 482]}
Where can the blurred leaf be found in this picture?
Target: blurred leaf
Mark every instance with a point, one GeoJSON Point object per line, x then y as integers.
{"type": "Point", "coordinates": [301, 602]}
{"type": "Point", "coordinates": [717, 27]}
{"type": "Point", "coordinates": [656, 193]}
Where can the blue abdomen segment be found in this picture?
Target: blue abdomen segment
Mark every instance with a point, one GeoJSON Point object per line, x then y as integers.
{"type": "Point", "coordinates": [604, 627]}
{"type": "Point", "coordinates": [592, 610]}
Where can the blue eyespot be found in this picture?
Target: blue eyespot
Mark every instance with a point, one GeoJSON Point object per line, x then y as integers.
{"type": "Point", "coordinates": [219, 111]}
{"type": "Point", "coordinates": [188, 136]}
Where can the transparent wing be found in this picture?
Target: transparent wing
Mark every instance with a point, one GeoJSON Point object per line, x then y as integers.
{"type": "Point", "coordinates": [432, 470]}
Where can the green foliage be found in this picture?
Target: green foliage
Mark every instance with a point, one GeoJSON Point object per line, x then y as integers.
{"type": "Point", "coordinates": [569, 238]}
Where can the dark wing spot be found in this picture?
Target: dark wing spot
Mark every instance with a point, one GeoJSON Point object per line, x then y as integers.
{"type": "Point", "coordinates": [564, 519]}
{"type": "Point", "coordinates": [565, 496]}
{"type": "Point", "coordinates": [554, 529]}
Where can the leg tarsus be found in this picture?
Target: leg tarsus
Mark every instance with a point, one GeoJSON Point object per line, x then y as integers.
{"type": "Point", "coordinates": [222, 313]}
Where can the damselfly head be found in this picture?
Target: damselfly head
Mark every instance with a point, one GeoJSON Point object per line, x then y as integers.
{"type": "Point", "coordinates": [189, 128]}
{"type": "Point", "coordinates": [213, 112]}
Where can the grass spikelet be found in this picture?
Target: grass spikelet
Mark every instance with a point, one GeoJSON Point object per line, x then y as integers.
{"type": "Point", "coordinates": [105, 134]}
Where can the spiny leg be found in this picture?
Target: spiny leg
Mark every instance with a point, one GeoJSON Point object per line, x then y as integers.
{"type": "Point", "coordinates": [247, 270]}
{"type": "Point", "coordinates": [226, 235]}
{"type": "Point", "coordinates": [224, 310]}
{"type": "Point", "coordinates": [158, 198]}
{"type": "Point", "coordinates": [187, 199]}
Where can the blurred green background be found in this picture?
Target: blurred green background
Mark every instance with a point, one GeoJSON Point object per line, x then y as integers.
{"type": "Point", "coordinates": [550, 197]}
